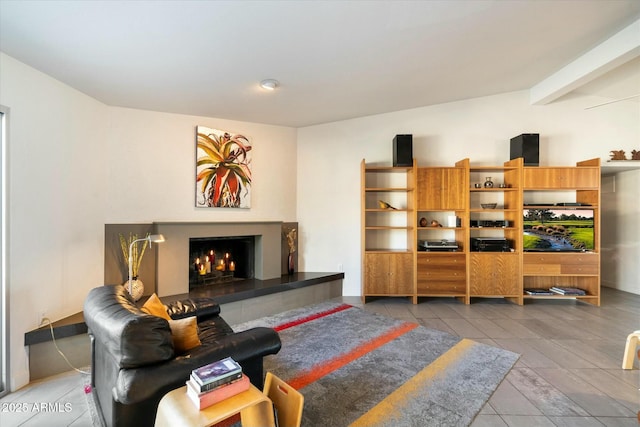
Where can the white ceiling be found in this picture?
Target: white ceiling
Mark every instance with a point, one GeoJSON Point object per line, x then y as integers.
{"type": "Point", "coordinates": [335, 59]}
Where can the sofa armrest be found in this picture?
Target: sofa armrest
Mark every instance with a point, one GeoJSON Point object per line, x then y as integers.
{"type": "Point", "coordinates": [132, 337]}
{"type": "Point", "coordinates": [203, 308]}
{"type": "Point", "coordinates": [136, 385]}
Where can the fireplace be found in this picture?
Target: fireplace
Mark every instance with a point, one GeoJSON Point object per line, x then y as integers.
{"type": "Point", "coordinates": [215, 260]}
{"type": "Point", "coordinates": [174, 265]}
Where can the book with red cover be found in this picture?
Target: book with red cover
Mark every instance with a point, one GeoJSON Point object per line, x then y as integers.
{"type": "Point", "coordinates": [208, 398]}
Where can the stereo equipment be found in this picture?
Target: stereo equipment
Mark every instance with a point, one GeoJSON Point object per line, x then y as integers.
{"type": "Point", "coordinates": [403, 150]}
{"type": "Point", "coordinates": [527, 146]}
{"type": "Point", "coordinates": [438, 245]}
{"type": "Point", "coordinates": [490, 244]}
{"type": "Point", "coordinates": [486, 223]}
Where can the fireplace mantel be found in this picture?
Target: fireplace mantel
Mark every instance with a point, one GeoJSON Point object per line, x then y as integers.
{"type": "Point", "coordinates": [173, 255]}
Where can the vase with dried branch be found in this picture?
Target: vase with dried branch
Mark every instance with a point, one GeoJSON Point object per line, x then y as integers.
{"type": "Point", "coordinates": [291, 242]}
{"type": "Point", "coordinates": [137, 253]}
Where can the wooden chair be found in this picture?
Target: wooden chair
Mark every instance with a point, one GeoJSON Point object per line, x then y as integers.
{"type": "Point", "coordinates": [287, 401]}
{"type": "Point", "coordinates": [630, 349]}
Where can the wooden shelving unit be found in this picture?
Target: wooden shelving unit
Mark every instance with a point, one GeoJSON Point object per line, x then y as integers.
{"type": "Point", "coordinates": [394, 265]}
{"type": "Point", "coordinates": [497, 274]}
{"type": "Point", "coordinates": [439, 197]}
{"type": "Point", "coordinates": [388, 267]}
{"type": "Point", "coordinates": [580, 270]}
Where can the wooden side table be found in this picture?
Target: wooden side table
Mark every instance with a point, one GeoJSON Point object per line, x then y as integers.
{"type": "Point", "coordinates": [176, 410]}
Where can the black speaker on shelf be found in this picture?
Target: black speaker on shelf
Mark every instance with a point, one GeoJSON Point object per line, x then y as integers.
{"type": "Point", "coordinates": [403, 150]}
{"type": "Point", "coordinates": [527, 146]}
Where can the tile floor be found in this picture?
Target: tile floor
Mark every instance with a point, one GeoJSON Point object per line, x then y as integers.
{"type": "Point", "coordinates": [569, 373]}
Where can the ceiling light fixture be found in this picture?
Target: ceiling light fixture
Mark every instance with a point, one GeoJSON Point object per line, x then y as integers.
{"type": "Point", "coordinates": [269, 84]}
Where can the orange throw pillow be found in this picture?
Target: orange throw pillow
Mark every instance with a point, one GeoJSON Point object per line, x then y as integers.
{"type": "Point", "coordinates": [155, 307]}
{"type": "Point", "coordinates": [185, 334]}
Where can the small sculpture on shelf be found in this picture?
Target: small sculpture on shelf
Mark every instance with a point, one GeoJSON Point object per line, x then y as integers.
{"type": "Point", "coordinates": [618, 155]}
{"type": "Point", "coordinates": [385, 205]}
{"type": "Point", "coordinates": [435, 223]}
{"type": "Point", "coordinates": [423, 222]}
{"type": "Point", "coordinates": [635, 155]}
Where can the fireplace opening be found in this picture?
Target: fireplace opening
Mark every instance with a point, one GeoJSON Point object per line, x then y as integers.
{"type": "Point", "coordinates": [214, 260]}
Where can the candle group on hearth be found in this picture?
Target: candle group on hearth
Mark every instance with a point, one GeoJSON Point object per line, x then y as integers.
{"type": "Point", "coordinates": [223, 264]}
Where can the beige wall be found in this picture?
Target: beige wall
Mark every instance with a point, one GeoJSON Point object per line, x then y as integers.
{"type": "Point", "coordinates": [76, 164]}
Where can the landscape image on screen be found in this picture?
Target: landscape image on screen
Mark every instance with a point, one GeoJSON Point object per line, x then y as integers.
{"type": "Point", "coordinates": [562, 230]}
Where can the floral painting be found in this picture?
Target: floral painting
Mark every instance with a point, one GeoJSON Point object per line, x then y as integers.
{"type": "Point", "coordinates": [223, 169]}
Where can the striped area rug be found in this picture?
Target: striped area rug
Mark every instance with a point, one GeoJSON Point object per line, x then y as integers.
{"type": "Point", "coordinates": [357, 368]}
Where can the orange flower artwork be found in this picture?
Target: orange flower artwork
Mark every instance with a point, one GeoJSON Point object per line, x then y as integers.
{"type": "Point", "coordinates": [223, 169]}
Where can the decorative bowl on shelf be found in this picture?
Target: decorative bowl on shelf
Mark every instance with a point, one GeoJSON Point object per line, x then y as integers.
{"type": "Point", "coordinates": [488, 205]}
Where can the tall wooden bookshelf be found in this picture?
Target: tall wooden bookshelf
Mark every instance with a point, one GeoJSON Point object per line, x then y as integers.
{"type": "Point", "coordinates": [388, 267]}
{"type": "Point", "coordinates": [450, 206]}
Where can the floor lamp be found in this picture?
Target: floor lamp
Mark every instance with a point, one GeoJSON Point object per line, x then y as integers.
{"type": "Point", "coordinates": [152, 238]}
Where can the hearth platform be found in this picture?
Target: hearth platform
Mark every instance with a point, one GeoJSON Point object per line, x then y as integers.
{"type": "Point", "coordinates": [252, 288]}
{"type": "Point", "coordinates": [240, 301]}
{"type": "Point", "coordinates": [222, 293]}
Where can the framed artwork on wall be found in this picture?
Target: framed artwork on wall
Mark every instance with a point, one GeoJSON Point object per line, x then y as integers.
{"type": "Point", "coordinates": [223, 169]}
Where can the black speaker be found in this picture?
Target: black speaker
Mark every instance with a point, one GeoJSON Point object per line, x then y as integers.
{"type": "Point", "coordinates": [403, 150]}
{"type": "Point", "coordinates": [527, 146]}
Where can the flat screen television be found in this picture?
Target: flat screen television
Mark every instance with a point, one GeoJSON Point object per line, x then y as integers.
{"type": "Point", "coordinates": [558, 230]}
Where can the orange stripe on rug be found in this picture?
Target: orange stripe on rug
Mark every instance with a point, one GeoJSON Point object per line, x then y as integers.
{"type": "Point", "coordinates": [319, 371]}
{"type": "Point", "coordinates": [391, 405]}
{"type": "Point", "coordinates": [311, 317]}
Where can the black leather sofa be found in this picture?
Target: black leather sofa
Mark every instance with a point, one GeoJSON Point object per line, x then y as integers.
{"type": "Point", "coordinates": [133, 360]}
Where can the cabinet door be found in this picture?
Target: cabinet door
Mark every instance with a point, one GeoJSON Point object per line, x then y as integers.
{"type": "Point", "coordinates": [453, 196]}
{"type": "Point", "coordinates": [561, 177]}
{"type": "Point", "coordinates": [441, 188]}
{"type": "Point", "coordinates": [401, 274]}
{"type": "Point", "coordinates": [494, 274]}
{"type": "Point", "coordinates": [376, 274]}
{"type": "Point", "coordinates": [430, 189]}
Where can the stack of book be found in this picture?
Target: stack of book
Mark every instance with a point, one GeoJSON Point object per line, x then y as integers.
{"type": "Point", "coordinates": [567, 291]}
{"type": "Point", "coordinates": [536, 291]}
{"type": "Point", "coordinates": [216, 382]}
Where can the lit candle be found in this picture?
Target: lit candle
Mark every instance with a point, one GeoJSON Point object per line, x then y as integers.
{"type": "Point", "coordinates": [207, 264]}
{"type": "Point", "coordinates": [196, 265]}
{"type": "Point", "coordinates": [212, 256]}
{"type": "Point", "coordinates": [232, 266]}
{"type": "Point", "coordinates": [203, 270]}
{"type": "Point", "coordinates": [220, 266]}
{"type": "Point", "coordinates": [226, 260]}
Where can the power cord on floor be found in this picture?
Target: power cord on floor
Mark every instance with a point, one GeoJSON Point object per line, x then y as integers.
{"type": "Point", "coordinates": [48, 321]}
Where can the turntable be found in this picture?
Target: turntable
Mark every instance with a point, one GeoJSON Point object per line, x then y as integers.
{"type": "Point", "coordinates": [438, 245]}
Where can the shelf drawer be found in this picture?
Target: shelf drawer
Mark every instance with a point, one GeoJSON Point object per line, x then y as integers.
{"type": "Point", "coordinates": [442, 287]}
{"type": "Point", "coordinates": [449, 274]}
{"type": "Point", "coordinates": [580, 269]}
{"type": "Point", "coordinates": [551, 258]}
{"type": "Point", "coordinates": [560, 264]}
{"type": "Point", "coordinates": [442, 273]}
{"type": "Point", "coordinates": [541, 269]}
{"type": "Point", "coordinates": [431, 261]}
